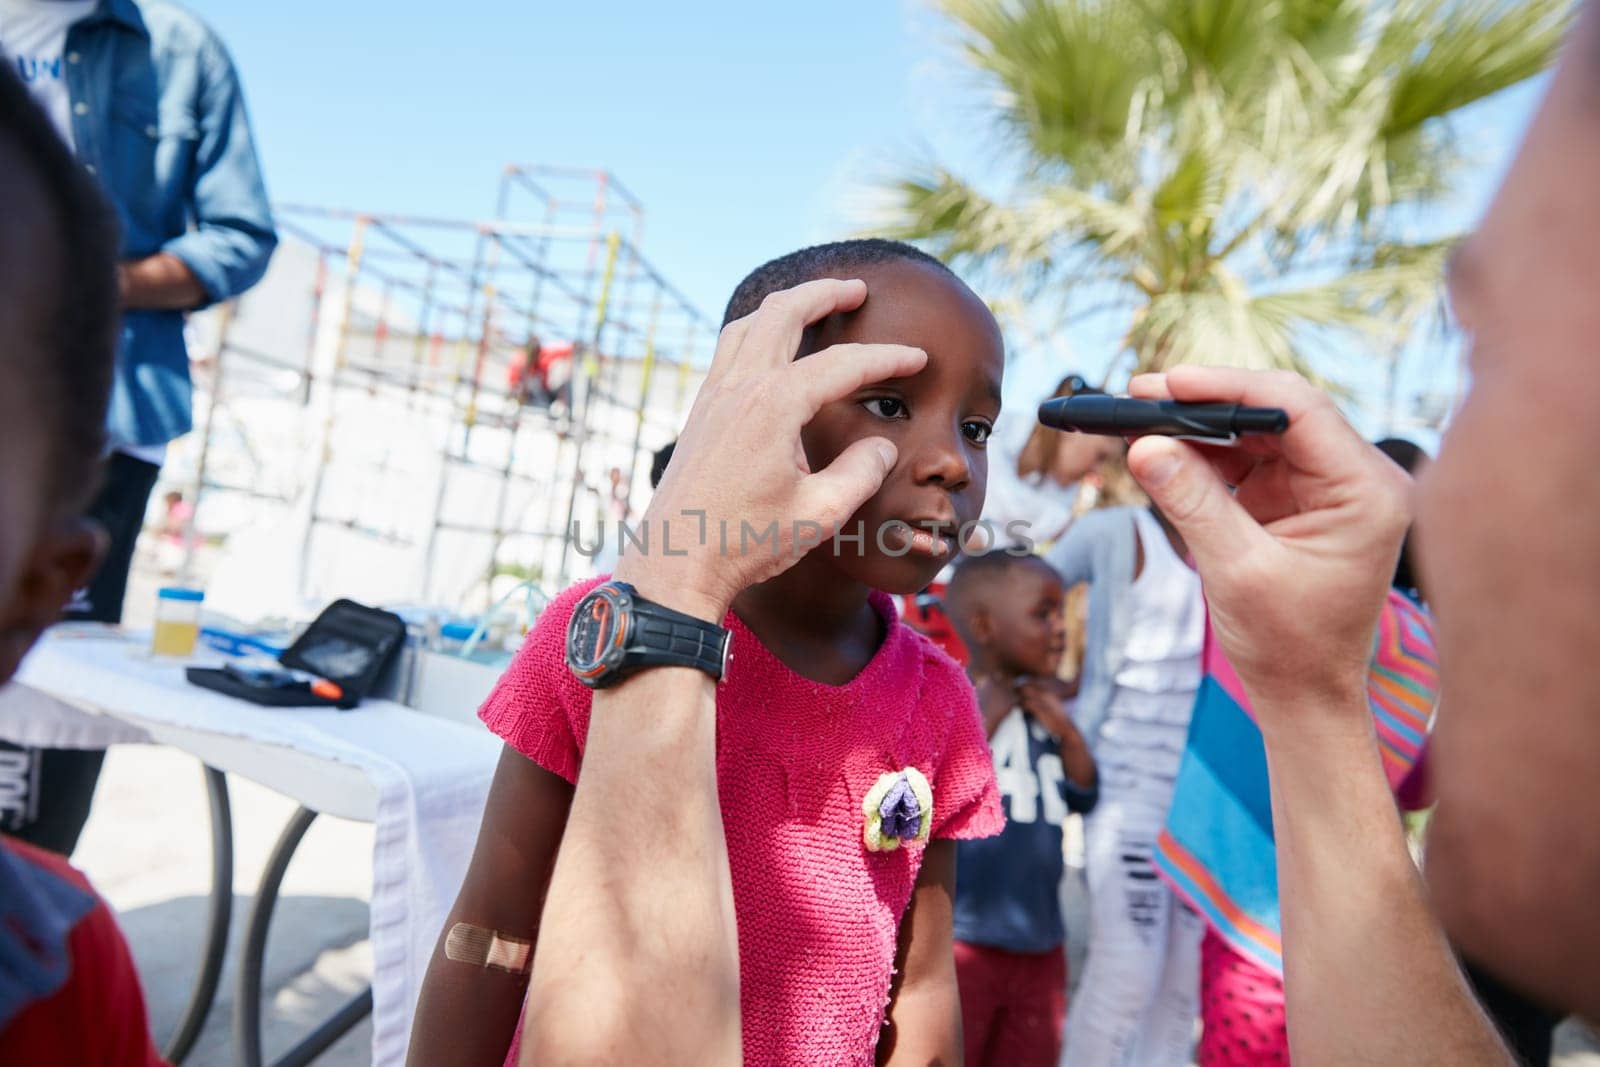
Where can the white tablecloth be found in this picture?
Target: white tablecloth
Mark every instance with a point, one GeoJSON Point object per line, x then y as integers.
{"type": "Point", "coordinates": [81, 688]}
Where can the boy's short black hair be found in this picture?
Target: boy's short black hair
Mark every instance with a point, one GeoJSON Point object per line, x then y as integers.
{"type": "Point", "coordinates": [64, 366]}
{"type": "Point", "coordinates": [977, 573]}
{"type": "Point", "coordinates": [658, 463]}
{"type": "Point", "coordinates": [838, 259]}
{"type": "Point", "coordinates": [1409, 456]}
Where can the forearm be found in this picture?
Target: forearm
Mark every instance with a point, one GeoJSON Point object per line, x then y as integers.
{"type": "Point", "coordinates": [160, 282]}
{"type": "Point", "coordinates": [925, 1025]}
{"type": "Point", "coordinates": [1076, 759]}
{"type": "Point", "coordinates": [641, 970]}
{"type": "Point", "coordinates": [924, 1021]}
{"type": "Point", "coordinates": [468, 1012]}
{"type": "Point", "coordinates": [465, 1016]}
{"type": "Point", "coordinates": [1079, 765]}
{"type": "Point", "coordinates": [1368, 975]}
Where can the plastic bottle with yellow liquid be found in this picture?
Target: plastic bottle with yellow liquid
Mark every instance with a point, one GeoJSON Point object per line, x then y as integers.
{"type": "Point", "coordinates": [177, 629]}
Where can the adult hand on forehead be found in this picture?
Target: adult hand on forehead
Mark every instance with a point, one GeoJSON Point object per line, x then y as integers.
{"type": "Point", "coordinates": [1297, 557]}
{"type": "Point", "coordinates": [739, 461]}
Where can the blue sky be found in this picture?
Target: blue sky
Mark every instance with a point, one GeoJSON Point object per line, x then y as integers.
{"type": "Point", "coordinates": [746, 129]}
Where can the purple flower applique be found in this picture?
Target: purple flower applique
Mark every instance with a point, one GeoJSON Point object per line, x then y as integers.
{"type": "Point", "coordinates": [898, 808]}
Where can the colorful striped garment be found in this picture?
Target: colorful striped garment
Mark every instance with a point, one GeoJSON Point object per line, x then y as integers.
{"type": "Point", "coordinates": [1217, 849]}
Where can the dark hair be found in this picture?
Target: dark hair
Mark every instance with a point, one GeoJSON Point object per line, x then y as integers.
{"type": "Point", "coordinates": [1074, 384]}
{"type": "Point", "coordinates": [1406, 453]}
{"type": "Point", "coordinates": [976, 573]}
{"type": "Point", "coordinates": [658, 463]}
{"type": "Point", "coordinates": [838, 259]}
{"type": "Point", "coordinates": [1408, 456]}
{"type": "Point", "coordinates": [1039, 451]}
{"type": "Point", "coordinates": [67, 362]}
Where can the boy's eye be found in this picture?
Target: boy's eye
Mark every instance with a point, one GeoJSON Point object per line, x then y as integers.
{"type": "Point", "coordinates": [885, 407]}
{"type": "Point", "coordinates": [977, 432]}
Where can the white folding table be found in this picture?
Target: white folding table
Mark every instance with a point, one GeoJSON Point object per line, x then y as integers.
{"type": "Point", "coordinates": [420, 778]}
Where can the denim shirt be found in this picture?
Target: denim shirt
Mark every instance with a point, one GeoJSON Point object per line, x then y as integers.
{"type": "Point", "coordinates": [158, 117]}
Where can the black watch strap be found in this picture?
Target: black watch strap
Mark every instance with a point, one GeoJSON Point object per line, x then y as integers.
{"type": "Point", "coordinates": [615, 632]}
{"type": "Point", "coordinates": [667, 638]}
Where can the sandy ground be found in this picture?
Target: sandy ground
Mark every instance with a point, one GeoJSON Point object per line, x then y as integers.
{"type": "Point", "coordinates": [147, 849]}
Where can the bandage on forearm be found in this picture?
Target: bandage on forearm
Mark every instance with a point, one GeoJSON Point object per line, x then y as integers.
{"type": "Point", "coordinates": [489, 949]}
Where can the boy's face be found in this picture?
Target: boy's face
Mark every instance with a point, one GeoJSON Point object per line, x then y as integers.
{"type": "Point", "coordinates": [43, 559]}
{"type": "Point", "coordinates": [939, 419]}
{"type": "Point", "coordinates": [1026, 625]}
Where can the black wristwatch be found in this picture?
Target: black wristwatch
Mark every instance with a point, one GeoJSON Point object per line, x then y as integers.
{"type": "Point", "coordinates": [614, 632]}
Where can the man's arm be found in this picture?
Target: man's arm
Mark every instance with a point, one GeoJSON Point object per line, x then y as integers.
{"type": "Point", "coordinates": [162, 281]}
{"type": "Point", "coordinates": [924, 1022]}
{"type": "Point", "coordinates": [648, 934]}
{"type": "Point", "coordinates": [233, 236]}
{"type": "Point", "coordinates": [1368, 974]}
{"type": "Point", "coordinates": [468, 1013]}
{"type": "Point", "coordinates": [1295, 559]}
{"type": "Point", "coordinates": [638, 960]}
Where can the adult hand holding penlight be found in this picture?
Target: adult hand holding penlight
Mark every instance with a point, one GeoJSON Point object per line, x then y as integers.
{"type": "Point", "coordinates": [1121, 416]}
{"type": "Point", "coordinates": [1294, 535]}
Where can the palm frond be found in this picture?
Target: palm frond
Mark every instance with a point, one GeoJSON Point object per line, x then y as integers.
{"type": "Point", "coordinates": [1382, 300]}
{"type": "Point", "coordinates": [958, 221]}
{"type": "Point", "coordinates": [1212, 328]}
{"type": "Point", "coordinates": [1219, 40]}
{"type": "Point", "coordinates": [1232, 171]}
{"type": "Point", "coordinates": [1448, 54]}
{"type": "Point", "coordinates": [1070, 73]}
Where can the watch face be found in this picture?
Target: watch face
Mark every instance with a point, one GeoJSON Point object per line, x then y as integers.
{"type": "Point", "coordinates": [595, 634]}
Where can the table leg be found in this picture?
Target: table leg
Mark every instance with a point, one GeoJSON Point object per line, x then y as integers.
{"type": "Point", "coordinates": [316, 1043]}
{"type": "Point", "coordinates": [221, 915]}
{"type": "Point", "coordinates": [247, 1013]}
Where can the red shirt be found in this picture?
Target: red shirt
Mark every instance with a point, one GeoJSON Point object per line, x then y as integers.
{"type": "Point", "coordinates": [69, 992]}
{"type": "Point", "coordinates": [934, 624]}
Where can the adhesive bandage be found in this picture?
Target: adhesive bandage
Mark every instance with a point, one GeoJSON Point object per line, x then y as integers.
{"type": "Point", "coordinates": [488, 949]}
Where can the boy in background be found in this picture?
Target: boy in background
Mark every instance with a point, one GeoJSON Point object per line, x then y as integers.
{"type": "Point", "coordinates": [1011, 962]}
{"type": "Point", "coordinates": [68, 989]}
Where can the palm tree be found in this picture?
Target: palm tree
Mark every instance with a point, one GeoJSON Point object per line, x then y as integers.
{"type": "Point", "coordinates": [1242, 178]}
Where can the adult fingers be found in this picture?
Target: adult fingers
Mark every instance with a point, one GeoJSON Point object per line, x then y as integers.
{"type": "Point", "coordinates": [775, 330]}
{"type": "Point", "coordinates": [1267, 492]}
{"type": "Point", "coordinates": [1233, 464]}
{"type": "Point", "coordinates": [1318, 439]}
{"type": "Point", "coordinates": [1154, 387]}
{"type": "Point", "coordinates": [839, 370]}
{"type": "Point", "coordinates": [1280, 388]}
{"type": "Point", "coordinates": [833, 494]}
{"type": "Point", "coordinates": [728, 343]}
{"type": "Point", "coordinates": [1283, 389]}
{"type": "Point", "coordinates": [1191, 493]}
{"type": "Point", "coordinates": [1149, 387]}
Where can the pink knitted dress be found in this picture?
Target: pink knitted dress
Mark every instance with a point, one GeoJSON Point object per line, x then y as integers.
{"type": "Point", "coordinates": [818, 912]}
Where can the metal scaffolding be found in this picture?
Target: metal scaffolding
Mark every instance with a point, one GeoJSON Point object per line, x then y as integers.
{"type": "Point", "coordinates": [396, 383]}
